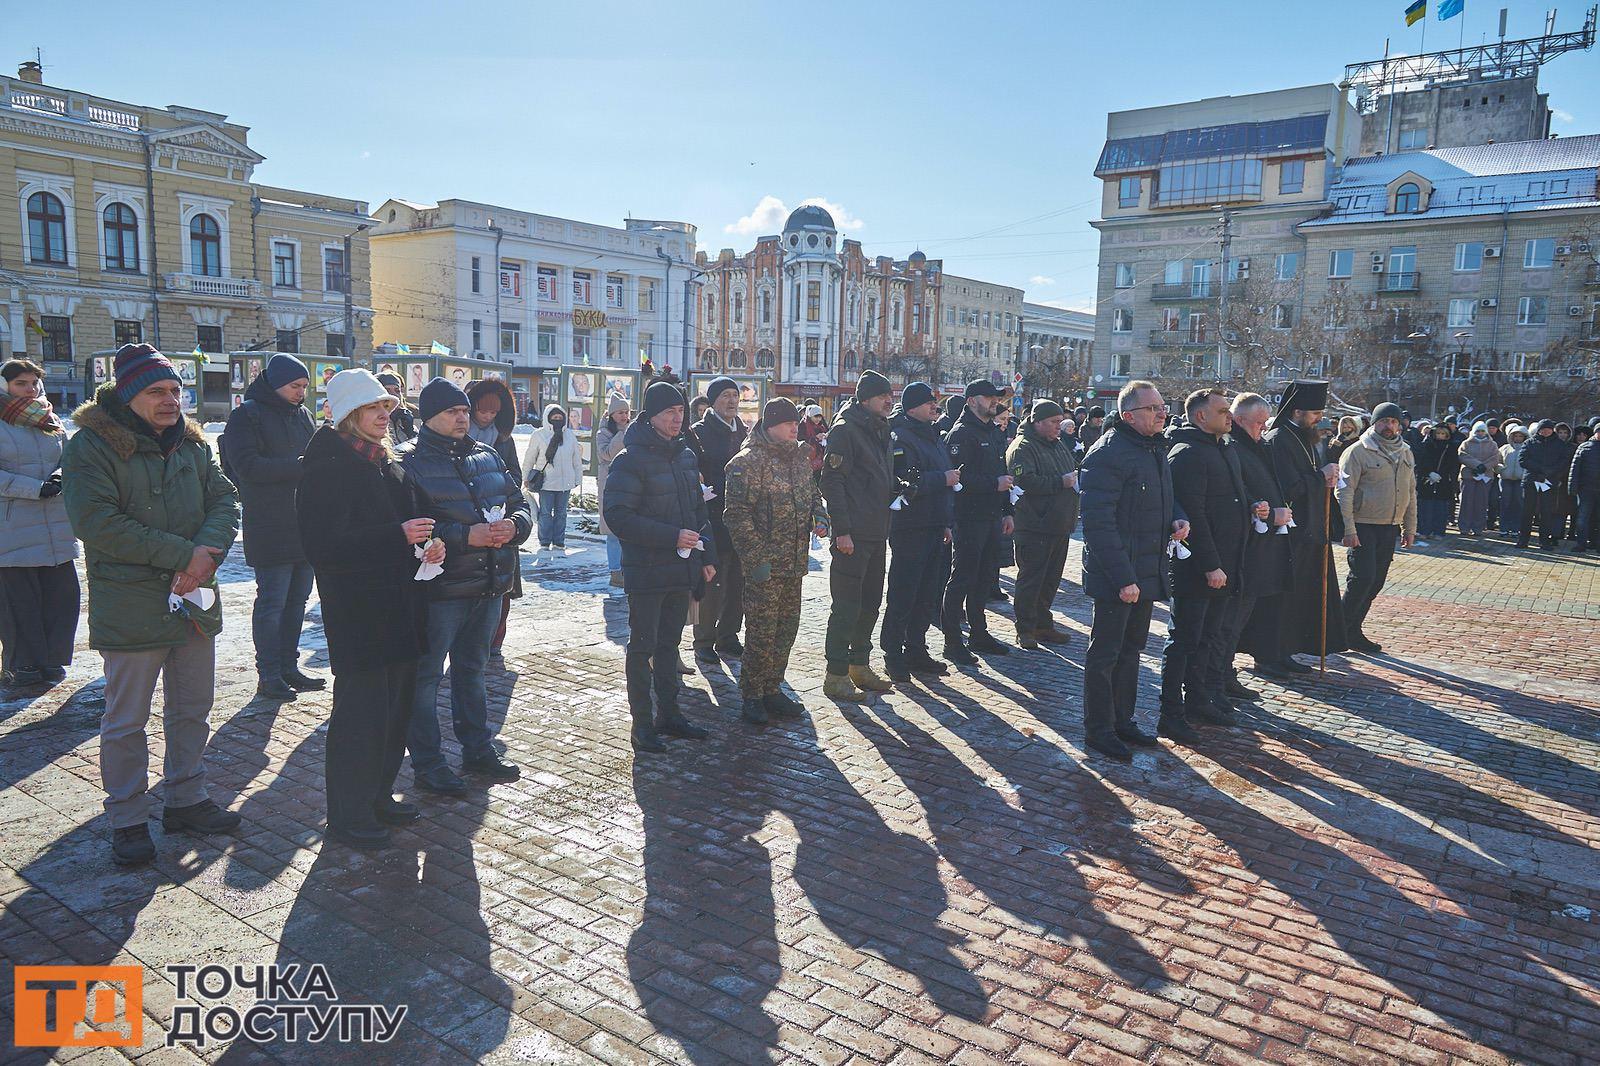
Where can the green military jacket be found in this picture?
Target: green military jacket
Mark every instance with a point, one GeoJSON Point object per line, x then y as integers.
{"type": "Point", "coordinates": [140, 516]}
{"type": "Point", "coordinates": [858, 474]}
{"type": "Point", "coordinates": [771, 505]}
{"type": "Point", "coordinates": [1047, 506]}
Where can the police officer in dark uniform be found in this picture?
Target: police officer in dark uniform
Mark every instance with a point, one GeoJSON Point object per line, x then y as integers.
{"type": "Point", "coordinates": [919, 531]}
{"type": "Point", "coordinates": [983, 520]}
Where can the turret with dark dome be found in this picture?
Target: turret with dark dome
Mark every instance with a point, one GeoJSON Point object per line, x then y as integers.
{"type": "Point", "coordinates": [809, 216]}
{"type": "Point", "coordinates": [809, 230]}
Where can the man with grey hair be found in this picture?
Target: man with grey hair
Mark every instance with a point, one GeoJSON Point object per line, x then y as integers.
{"type": "Point", "coordinates": [1129, 514]}
{"type": "Point", "coordinates": [1266, 555]}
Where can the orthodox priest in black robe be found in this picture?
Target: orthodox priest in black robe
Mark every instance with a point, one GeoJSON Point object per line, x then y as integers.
{"type": "Point", "coordinates": [1289, 624]}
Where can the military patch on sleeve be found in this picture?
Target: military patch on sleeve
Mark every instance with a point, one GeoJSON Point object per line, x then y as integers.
{"type": "Point", "coordinates": [1016, 471]}
{"type": "Point", "coordinates": [835, 460]}
{"type": "Point", "coordinates": [735, 479]}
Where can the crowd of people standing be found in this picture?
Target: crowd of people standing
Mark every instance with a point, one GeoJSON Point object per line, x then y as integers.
{"type": "Point", "coordinates": [408, 520]}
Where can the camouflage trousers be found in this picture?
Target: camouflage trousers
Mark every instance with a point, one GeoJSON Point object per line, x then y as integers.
{"type": "Point", "coordinates": [771, 622]}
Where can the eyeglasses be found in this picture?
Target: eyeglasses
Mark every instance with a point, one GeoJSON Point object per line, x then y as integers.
{"type": "Point", "coordinates": [1148, 407]}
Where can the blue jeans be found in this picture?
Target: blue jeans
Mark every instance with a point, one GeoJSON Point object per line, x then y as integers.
{"type": "Point", "coordinates": [1432, 516]}
{"type": "Point", "coordinates": [553, 518]}
{"type": "Point", "coordinates": [461, 629]}
{"type": "Point", "coordinates": [280, 611]}
{"type": "Point", "coordinates": [1589, 520]}
{"type": "Point", "coordinates": [613, 552]}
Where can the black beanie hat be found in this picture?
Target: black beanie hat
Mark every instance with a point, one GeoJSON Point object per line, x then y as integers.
{"type": "Point", "coordinates": [284, 368]}
{"type": "Point", "coordinates": [719, 386]}
{"type": "Point", "coordinates": [440, 395]}
{"type": "Point", "coordinates": [872, 384]}
{"type": "Point", "coordinates": [1097, 412]}
{"type": "Point", "coordinates": [915, 395]}
{"type": "Point", "coordinates": [660, 396]}
{"type": "Point", "coordinates": [1387, 410]}
{"type": "Point", "coordinates": [779, 411]}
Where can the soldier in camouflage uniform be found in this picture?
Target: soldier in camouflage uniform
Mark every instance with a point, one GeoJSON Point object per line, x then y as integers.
{"type": "Point", "coordinates": [770, 511]}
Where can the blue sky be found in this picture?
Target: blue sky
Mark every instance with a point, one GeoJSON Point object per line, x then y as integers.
{"type": "Point", "coordinates": [967, 130]}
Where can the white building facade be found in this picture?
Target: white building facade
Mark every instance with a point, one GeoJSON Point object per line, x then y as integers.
{"type": "Point", "coordinates": [532, 290]}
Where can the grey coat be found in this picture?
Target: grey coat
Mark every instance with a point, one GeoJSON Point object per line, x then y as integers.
{"type": "Point", "coordinates": [37, 531]}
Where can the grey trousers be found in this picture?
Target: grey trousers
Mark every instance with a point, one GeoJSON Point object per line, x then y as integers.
{"type": "Point", "coordinates": [188, 676]}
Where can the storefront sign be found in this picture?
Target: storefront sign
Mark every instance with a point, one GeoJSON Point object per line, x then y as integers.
{"type": "Point", "coordinates": [584, 318]}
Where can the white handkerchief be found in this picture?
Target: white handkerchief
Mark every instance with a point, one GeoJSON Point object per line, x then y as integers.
{"type": "Point", "coordinates": [700, 546]}
{"type": "Point", "coordinates": [201, 597]}
{"type": "Point", "coordinates": [1342, 482]}
{"type": "Point", "coordinates": [1258, 525]}
{"type": "Point", "coordinates": [1543, 486]}
{"type": "Point", "coordinates": [899, 502]}
{"type": "Point", "coordinates": [1481, 477]}
{"type": "Point", "coordinates": [497, 513]}
{"type": "Point", "coordinates": [709, 493]}
{"type": "Point", "coordinates": [1016, 494]}
{"type": "Point", "coordinates": [428, 571]}
{"type": "Point", "coordinates": [1283, 531]}
{"type": "Point", "coordinates": [1177, 549]}
{"type": "Point", "coordinates": [956, 487]}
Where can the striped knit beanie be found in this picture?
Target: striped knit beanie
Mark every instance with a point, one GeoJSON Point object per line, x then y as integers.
{"type": "Point", "coordinates": [137, 367]}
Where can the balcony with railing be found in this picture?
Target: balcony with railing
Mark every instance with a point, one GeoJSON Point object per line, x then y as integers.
{"type": "Point", "coordinates": [206, 285]}
{"type": "Point", "coordinates": [27, 96]}
{"type": "Point", "coordinates": [1182, 338]}
{"type": "Point", "coordinates": [1399, 283]}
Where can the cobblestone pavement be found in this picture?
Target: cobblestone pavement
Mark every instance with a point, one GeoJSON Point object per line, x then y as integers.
{"type": "Point", "coordinates": [1398, 863]}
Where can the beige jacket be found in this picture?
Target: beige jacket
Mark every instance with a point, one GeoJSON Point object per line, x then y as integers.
{"type": "Point", "coordinates": [1378, 490]}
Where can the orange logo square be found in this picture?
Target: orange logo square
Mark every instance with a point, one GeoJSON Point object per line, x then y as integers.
{"type": "Point", "coordinates": [79, 1006]}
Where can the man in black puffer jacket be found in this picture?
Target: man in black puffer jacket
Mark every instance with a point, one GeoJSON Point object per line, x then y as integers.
{"type": "Point", "coordinates": [654, 505]}
{"type": "Point", "coordinates": [1129, 514]}
{"type": "Point", "coordinates": [983, 518]}
{"type": "Point", "coordinates": [919, 534]}
{"type": "Point", "coordinates": [721, 433]}
{"type": "Point", "coordinates": [1544, 462]}
{"type": "Point", "coordinates": [266, 436]}
{"type": "Point", "coordinates": [457, 481]}
{"type": "Point", "coordinates": [1208, 482]}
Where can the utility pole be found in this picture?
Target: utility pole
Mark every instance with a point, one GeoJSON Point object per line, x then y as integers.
{"type": "Point", "coordinates": [1223, 370]}
{"type": "Point", "coordinates": [349, 305]}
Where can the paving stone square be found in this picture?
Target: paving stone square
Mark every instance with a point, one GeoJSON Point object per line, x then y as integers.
{"type": "Point", "coordinates": [1397, 863]}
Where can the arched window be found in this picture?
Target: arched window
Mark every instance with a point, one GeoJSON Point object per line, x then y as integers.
{"type": "Point", "coordinates": [764, 360]}
{"type": "Point", "coordinates": [205, 246]}
{"type": "Point", "coordinates": [1407, 198]}
{"type": "Point", "coordinates": [850, 359]}
{"type": "Point", "coordinates": [708, 359]}
{"type": "Point", "coordinates": [736, 359]}
{"type": "Point", "coordinates": [122, 237]}
{"type": "Point", "coordinates": [47, 229]}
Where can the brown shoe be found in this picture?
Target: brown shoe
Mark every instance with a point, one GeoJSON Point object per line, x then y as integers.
{"type": "Point", "coordinates": [1026, 640]}
{"type": "Point", "coordinates": [1051, 635]}
{"type": "Point", "coordinates": [863, 677]}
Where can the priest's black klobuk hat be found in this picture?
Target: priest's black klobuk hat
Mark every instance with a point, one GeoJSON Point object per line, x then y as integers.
{"type": "Point", "coordinates": [1301, 396]}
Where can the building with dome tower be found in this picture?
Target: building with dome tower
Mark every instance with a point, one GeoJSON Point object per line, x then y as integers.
{"type": "Point", "coordinates": [812, 311]}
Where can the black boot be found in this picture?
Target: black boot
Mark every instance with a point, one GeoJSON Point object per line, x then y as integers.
{"type": "Point", "coordinates": [1173, 727]}
{"type": "Point", "coordinates": [202, 817]}
{"type": "Point", "coordinates": [131, 845]}
{"type": "Point", "coordinates": [754, 710]}
{"type": "Point", "coordinates": [921, 662]}
{"type": "Point", "coordinates": [275, 690]}
{"type": "Point", "coordinates": [303, 682]}
{"type": "Point", "coordinates": [674, 724]}
{"type": "Point", "coordinates": [780, 705]}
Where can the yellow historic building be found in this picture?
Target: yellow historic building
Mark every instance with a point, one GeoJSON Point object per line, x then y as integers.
{"type": "Point", "coordinates": [142, 223]}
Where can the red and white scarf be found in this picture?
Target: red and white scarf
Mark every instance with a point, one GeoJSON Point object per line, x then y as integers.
{"type": "Point", "coordinates": [31, 414]}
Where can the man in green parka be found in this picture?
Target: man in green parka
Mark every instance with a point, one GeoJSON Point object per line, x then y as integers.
{"type": "Point", "coordinates": [1046, 511]}
{"type": "Point", "coordinates": [156, 515]}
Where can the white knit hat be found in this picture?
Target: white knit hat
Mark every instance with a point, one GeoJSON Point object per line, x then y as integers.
{"type": "Point", "coordinates": [812, 410]}
{"type": "Point", "coordinates": [350, 389]}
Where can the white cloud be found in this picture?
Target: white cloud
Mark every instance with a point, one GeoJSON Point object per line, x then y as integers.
{"type": "Point", "coordinates": [770, 212]}
{"type": "Point", "coordinates": [1040, 279]}
{"type": "Point", "coordinates": [1564, 117]}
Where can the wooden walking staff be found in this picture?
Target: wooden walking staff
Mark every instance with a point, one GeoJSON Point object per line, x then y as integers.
{"type": "Point", "coordinates": [1322, 577]}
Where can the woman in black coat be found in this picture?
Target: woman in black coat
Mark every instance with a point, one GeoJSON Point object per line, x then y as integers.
{"type": "Point", "coordinates": [1438, 477]}
{"type": "Point", "coordinates": [356, 527]}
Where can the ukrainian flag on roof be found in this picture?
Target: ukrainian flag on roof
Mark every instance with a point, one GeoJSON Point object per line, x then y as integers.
{"type": "Point", "coordinates": [1416, 12]}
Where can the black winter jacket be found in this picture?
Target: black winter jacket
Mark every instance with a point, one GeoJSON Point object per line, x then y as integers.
{"type": "Point", "coordinates": [718, 443]}
{"type": "Point", "coordinates": [652, 491]}
{"type": "Point", "coordinates": [1128, 511]}
{"type": "Point", "coordinates": [453, 482]}
{"type": "Point", "coordinates": [351, 510]}
{"type": "Point", "coordinates": [979, 449]}
{"type": "Point", "coordinates": [1442, 457]}
{"type": "Point", "coordinates": [1267, 555]}
{"type": "Point", "coordinates": [265, 438]}
{"type": "Point", "coordinates": [920, 462]}
{"type": "Point", "coordinates": [1209, 485]}
{"type": "Point", "coordinates": [1543, 458]}
{"type": "Point", "coordinates": [858, 474]}
{"type": "Point", "coordinates": [1584, 476]}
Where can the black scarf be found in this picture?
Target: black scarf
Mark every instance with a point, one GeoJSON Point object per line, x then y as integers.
{"type": "Point", "coordinates": [556, 437]}
{"type": "Point", "coordinates": [166, 439]}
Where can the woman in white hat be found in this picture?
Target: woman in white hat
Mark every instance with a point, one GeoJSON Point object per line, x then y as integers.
{"type": "Point", "coordinates": [357, 529]}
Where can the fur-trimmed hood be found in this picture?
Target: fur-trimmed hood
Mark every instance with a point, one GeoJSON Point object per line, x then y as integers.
{"type": "Point", "coordinates": [506, 420]}
{"type": "Point", "coordinates": [114, 422]}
